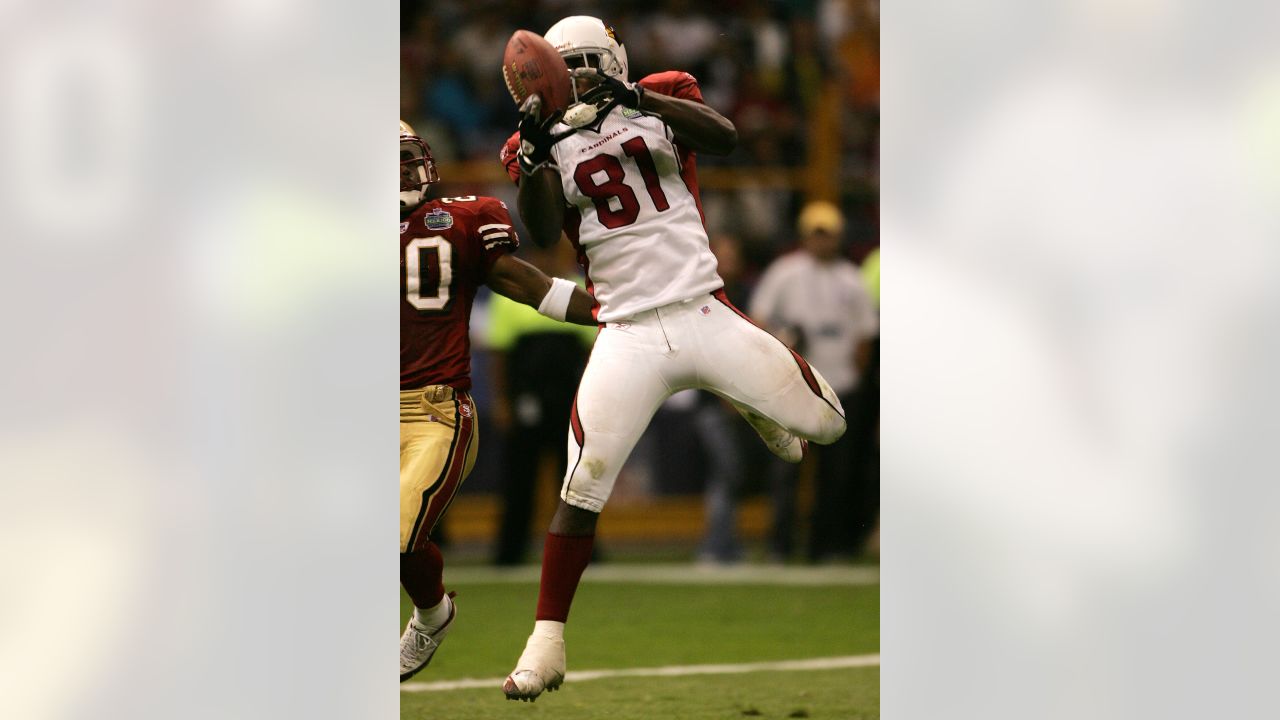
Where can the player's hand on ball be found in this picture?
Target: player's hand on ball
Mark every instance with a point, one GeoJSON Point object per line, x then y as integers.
{"type": "Point", "coordinates": [608, 89]}
{"type": "Point", "coordinates": [536, 136]}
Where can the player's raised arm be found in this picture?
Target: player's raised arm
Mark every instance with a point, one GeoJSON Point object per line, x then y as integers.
{"type": "Point", "coordinates": [697, 126]}
{"type": "Point", "coordinates": [556, 298]}
{"type": "Point", "coordinates": [540, 198]}
{"type": "Point", "coordinates": [540, 201]}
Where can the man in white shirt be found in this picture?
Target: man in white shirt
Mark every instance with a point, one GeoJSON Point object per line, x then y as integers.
{"type": "Point", "coordinates": [814, 299]}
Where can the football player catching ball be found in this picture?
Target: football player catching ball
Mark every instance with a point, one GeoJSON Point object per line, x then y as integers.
{"type": "Point", "coordinates": [616, 173]}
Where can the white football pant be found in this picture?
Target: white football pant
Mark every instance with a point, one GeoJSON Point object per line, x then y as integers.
{"type": "Point", "coordinates": [704, 343]}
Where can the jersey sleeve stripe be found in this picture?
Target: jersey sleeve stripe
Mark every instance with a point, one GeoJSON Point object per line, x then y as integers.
{"type": "Point", "coordinates": [493, 226]}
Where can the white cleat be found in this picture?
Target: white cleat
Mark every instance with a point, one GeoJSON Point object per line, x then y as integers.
{"type": "Point", "coordinates": [541, 667]}
{"type": "Point", "coordinates": [419, 643]}
{"type": "Point", "coordinates": [785, 445]}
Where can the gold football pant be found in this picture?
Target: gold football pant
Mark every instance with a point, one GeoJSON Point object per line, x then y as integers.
{"type": "Point", "coordinates": [438, 440]}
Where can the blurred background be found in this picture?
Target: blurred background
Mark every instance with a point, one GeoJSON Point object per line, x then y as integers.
{"type": "Point", "coordinates": [800, 81]}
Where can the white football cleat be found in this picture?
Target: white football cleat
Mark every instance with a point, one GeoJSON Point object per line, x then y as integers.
{"type": "Point", "coordinates": [785, 445]}
{"type": "Point", "coordinates": [541, 667]}
{"type": "Point", "coordinates": [419, 643]}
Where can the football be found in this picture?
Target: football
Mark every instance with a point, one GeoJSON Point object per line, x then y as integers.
{"type": "Point", "coordinates": [531, 66]}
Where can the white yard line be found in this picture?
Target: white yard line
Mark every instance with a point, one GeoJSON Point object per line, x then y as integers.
{"type": "Point", "coordinates": [831, 663]}
{"type": "Point", "coordinates": [685, 574]}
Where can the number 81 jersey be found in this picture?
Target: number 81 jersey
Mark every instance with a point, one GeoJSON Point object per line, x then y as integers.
{"type": "Point", "coordinates": [447, 248]}
{"type": "Point", "coordinates": [633, 212]}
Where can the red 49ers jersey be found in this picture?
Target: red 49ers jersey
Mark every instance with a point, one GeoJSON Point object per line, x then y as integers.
{"type": "Point", "coordinates": [447, 248]}
{"type": "Point", "coordinates": [633, 212]}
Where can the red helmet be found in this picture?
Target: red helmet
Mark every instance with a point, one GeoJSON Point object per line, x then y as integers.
{"type": "Point", "coordinates": [417, 167]}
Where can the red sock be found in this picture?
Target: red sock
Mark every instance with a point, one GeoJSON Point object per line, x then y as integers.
{"type": "Point", "coordinates": [564, 557]}
{"type": "Point", "coordinates": [422, 575]}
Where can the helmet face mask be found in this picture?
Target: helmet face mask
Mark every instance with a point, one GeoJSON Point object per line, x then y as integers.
{"type": "Point", "coordinates": [600, 58]}
{"type": "Point", "coordinates": [417, 168]}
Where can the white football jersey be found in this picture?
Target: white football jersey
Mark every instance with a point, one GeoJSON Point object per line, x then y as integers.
{"type": "Point", "coordinates": [633, 214]}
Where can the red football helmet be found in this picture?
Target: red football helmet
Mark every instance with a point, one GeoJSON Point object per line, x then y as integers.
{"type": "Point", "coordinates": [417, 167]}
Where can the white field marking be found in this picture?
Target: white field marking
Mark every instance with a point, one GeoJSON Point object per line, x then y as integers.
{"type": "Point", "coordinates": [831, 663]}
{"type": "Point", "coordinates": [682, 574]}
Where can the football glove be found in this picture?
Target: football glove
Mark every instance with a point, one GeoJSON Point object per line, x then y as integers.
{"type": "Point", "coordinates": [536, 136]}
{"type": "Point", "coordinates": [610, 89]}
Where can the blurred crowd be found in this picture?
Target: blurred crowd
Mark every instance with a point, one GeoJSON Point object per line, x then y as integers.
{"type": "Point", "coordinates": [800, 81]}
{"type": "Point", "coordinates": [776, 69]}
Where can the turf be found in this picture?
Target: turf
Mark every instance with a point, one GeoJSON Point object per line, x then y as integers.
{"type": "Point", "coordinates": [852, 694]}
{"type": "Point", "coordinates": [643, 625]}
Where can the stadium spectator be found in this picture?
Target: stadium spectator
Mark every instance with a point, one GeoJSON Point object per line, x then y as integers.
{"type": "Point", "coordinates": [815, 301]}
{"type": "Point", "coordinates": [667, 324]}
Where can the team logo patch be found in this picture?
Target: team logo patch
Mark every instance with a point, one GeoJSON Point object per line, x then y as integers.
{"type": "Point", "coordinates": [403, 226]}
{"type": "Point", "coordinates": [705, 309]}
{"type": "Point", "coordinates": [464, 410]}
{"type": "Point", "coordinates": [438, 219]}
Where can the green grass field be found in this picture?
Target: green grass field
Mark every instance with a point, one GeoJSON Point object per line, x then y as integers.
{"type": "Point", "coordinates": [643, 625]}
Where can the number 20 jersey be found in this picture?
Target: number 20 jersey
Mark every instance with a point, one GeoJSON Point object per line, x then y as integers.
{"type": "Point", "coordinates": [634, 214]}
{"type": "Point", "coordinates": [447, 248]}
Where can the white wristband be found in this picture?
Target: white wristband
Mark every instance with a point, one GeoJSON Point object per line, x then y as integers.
{"type": "Point", "coordinates": [555, 304]}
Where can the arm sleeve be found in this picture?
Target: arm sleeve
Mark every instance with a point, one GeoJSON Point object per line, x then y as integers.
{"type": "Point", "coordinates": [507, 156]}
{"type": "Point", "coordinates": [494, 231]}
{"type": "Point", "coordinates": [673, 83]}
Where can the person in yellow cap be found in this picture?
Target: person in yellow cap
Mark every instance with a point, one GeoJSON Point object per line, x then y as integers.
{"type": "Point", "coordinates": [814, 299]}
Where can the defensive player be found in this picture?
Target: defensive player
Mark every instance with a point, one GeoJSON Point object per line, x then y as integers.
{"type": "Point", "coordinates": [448, 248]}
{"type": "Point", "coordinates": [620, 182]}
